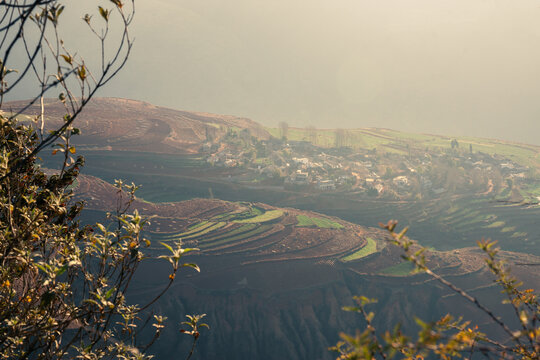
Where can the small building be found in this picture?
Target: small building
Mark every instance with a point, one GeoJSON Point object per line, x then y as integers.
{"type": "Point", "coordinates": [301, 178]}
{"type": "Point", "coordinates": [326, 185]}
{"type": "Point", "coordinates": [401, 181]}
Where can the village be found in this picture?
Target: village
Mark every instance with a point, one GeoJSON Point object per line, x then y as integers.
{"type": "Point", "coordinates": [406, 173]}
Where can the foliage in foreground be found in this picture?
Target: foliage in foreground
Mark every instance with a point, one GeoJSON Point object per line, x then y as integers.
{"type": "Point", "coordinates": [450, 338]}
{"type": "Point", "coordinates": [63, 285]}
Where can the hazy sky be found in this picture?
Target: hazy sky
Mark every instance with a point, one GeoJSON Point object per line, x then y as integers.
{"type": "Point", "coordinates": [457, 67]}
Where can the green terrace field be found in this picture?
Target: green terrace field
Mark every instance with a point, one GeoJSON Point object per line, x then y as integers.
{"type": "Point", "coordinates": [453, 223]}
{"type": "Point", "coordinates": [402, 269]}
{"type": "Point", "coordinates": [266, 217]}
{"type": "Point", "coordinates": [369, 249]}
{"type": "Point", "coordinates": [222, 229]}
{"type": "Point", "coordinates": [387, 140]}
{"type": "Point", "coordinates": [257, 230]}
{"type": "Point", "coordinates": [307, 221]}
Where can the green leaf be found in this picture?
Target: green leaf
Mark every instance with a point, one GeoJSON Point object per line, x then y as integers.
{"type": "Point", "coordinates": [168, 247]}
{"type": "Point", "coordinates": [191, 265]}
{"type": "Point", "coordinates": [189, 249]}
{"type": "Point", "coordinates": [109, 293]}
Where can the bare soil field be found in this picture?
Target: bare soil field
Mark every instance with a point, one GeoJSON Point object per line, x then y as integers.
{"type": "Point", "coordinates": [122, 124]}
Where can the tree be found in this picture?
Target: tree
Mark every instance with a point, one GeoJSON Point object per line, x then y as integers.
{"type": "Point", "coordinates": [450, 338]}
{"type": "Point", "coordinates": [63, 285]}
{"type": "Point", "coordinates": [283, 130]}
{"type": "Point", "coordinates": [339, 138]}
{"type": "Point", "coordinates": [312, 134]}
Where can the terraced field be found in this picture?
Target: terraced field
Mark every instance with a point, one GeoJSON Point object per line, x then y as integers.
{"type": "Point", "coordinates": [401, 269]}
{"type": "Point", "coordinates": [307, 221]}
{"type": "Point", "coordinates": [370, 248]}
{"type": "Point", "coordinates": [256, 231]}
{"type": "Point", "coordinates": [452, 223]}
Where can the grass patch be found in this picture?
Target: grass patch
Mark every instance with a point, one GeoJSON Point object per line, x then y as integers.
{"type": "Point", "coordinates": [402, 269]}
{"type": "Point", "coordinates": [267, 216]}
{"type": "Point", "coordinates": [306, 221]}
{"type": "Point", "coordinates": [495, 224]}
{"type": "Point", "coordinates": [518, 234]}
{"type": "Point", "coordinates": [370, 248]}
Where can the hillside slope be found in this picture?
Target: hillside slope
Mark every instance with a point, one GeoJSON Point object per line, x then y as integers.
{"type": "Point", "coordinates": [121, 124]}
{"type": "Point", "coordinates": [274, 280]}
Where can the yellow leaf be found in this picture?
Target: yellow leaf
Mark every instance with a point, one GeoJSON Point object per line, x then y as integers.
{"type": "Point", "coordinates": [82, 72]}
{"type": "Point", "coordinates": [67, 58]}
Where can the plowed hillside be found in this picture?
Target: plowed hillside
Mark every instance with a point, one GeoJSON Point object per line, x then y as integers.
{"type": "Point", "coordinates": [257, 232]}
{"type": "Point", "coordinates": [121, 124]}
{"type": "Point", "coordinates": [265, 268]}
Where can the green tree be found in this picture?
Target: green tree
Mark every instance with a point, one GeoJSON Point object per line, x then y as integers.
{"type": "Point", "coordinates": [63, 285]}
{"type": "Point", "coordinates": [449, 338]}
{"type": "Point", "coordinates": [283, 130]}
{"type": "Point", "coordinates": [339, 138]}
{"type": "Point", "coordinates": [312, 134]}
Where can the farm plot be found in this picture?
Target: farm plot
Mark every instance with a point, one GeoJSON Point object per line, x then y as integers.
{"type": "Point", "coordinates": [258, 244]}
{"type": "Point", "coordinates": [210, 235]}
{"type": "Point", "coordinates": [368, 249]}
{"type": "Point", "coordinates": [194, 232]}
{"type": "Point", "coordinates": [206, 230]}
{"type": "Point", "coordinates": [241, 229]}
{"type": "Point", "coordinates": [402, 269]}
{"type": "Point", "coordinates": [238, 237]}
{"type": "Point", "coordinates": [252, 212]}
{"type": "Point", "coordinates": [266, 217]}
{"type": "Point", "coordinates": [306, 221]}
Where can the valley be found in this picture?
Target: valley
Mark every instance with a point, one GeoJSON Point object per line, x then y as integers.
{"type": "Point", "coordinates": [287, 226]}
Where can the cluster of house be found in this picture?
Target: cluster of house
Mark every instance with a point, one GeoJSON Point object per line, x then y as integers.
{"type": "Point", "coordinates": [303, 165]}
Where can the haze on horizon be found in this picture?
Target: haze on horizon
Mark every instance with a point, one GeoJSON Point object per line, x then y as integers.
{"type": "Point", "coordinates": [460, 67]}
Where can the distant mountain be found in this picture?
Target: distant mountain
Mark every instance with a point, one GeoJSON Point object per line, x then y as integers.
{"type": "Point", "coordinates": [121, 124]}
